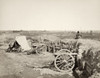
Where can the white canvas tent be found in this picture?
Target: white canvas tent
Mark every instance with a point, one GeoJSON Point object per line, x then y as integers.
{"type": "Point", "coordinates": [23, 42]}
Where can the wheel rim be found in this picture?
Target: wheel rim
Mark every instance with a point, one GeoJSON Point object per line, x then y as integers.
{"type": "Point", "coordinates": [64, 62]}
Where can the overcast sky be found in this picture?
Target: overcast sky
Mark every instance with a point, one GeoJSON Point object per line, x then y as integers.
{"type": "Point", "coordinates": [49, 14]}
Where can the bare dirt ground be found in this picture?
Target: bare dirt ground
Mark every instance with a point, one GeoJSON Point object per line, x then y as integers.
{"type": "Point", "coordinates": [7, 67]}
{"type": "Point", "coordinates": [13, 65]}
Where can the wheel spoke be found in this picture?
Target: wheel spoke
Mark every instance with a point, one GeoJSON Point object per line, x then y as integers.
{"type": "Point", "coordinates": [60, 58]}
{"type": "Point", "coordinates": [61, 65]}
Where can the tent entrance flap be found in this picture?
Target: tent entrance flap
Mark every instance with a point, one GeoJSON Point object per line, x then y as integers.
{"type": "Point", "coordinates": [23, 42]}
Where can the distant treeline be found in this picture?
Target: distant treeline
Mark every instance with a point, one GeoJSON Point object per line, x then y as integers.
{"type": "Point", "coordinates": [61, 34]}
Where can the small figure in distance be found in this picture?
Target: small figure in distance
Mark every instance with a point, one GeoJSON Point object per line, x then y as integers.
{"type": "Point", "coordinates": [78, 35]}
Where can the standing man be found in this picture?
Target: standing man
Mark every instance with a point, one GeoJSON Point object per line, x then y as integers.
{"type": "Point", "coordinates": [78, 35]}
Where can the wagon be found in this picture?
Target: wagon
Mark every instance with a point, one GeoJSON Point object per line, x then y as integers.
{"type": "Point", "coordinates": [64, 59]}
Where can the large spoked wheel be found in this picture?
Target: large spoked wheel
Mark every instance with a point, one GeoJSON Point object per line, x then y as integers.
{"type": "Point", "coordinates": [64, 62]}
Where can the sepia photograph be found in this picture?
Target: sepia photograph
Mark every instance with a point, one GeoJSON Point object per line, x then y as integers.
{"type": "Point", "coordinates": [49, 38]}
